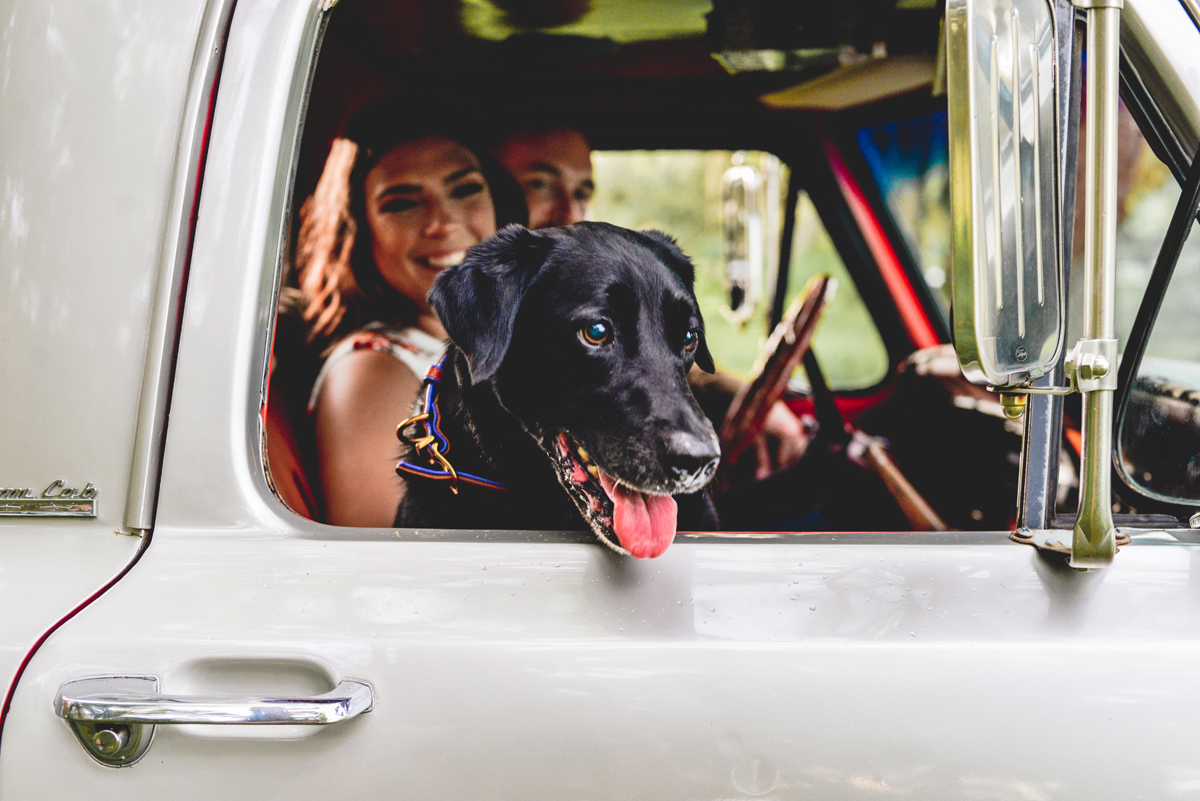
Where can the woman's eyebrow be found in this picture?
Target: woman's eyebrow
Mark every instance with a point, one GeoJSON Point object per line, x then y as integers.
{"type": "Point", "coordinates": [463, 173]}
{"type": "Point", "coordinates": [408, 189]}
{"type": "Point", "coordinates": [399, 189]}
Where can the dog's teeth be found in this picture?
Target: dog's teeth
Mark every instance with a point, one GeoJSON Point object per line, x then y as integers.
{"type": "Point", "coordinates": [582, 454]}
{"type": "Point", "coordinates": [593, 471]}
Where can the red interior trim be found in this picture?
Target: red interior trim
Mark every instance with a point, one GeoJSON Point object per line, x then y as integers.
{"type": "Point", "coordinates": [852, 407]}
{"type": "Point", "coordinates": [1075, 440]}
{"type": "Point", "coordinates": [912, 312]}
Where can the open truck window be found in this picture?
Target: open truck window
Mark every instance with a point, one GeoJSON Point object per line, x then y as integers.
{"type": "Point", "coordinates": [691, 145]}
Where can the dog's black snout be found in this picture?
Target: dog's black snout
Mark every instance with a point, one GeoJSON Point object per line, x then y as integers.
{"type": "Point", "coordinates": [692, 458]}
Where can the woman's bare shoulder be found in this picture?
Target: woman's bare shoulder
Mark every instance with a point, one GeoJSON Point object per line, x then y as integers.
{"type": "Point", "coordinates": [366, 380]}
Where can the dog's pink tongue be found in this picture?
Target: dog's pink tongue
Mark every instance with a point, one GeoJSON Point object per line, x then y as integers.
{"type": "Point", "coordinates": [645, 523]}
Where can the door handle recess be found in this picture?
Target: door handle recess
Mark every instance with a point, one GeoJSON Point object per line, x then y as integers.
{"type": "Point", "coordinates": [114, 716]}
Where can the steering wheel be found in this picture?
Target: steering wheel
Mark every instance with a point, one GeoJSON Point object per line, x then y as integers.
{"type": "Point", "coordinates": [790, 343]}
{"type": "Point", "coordinates": [787, 345]}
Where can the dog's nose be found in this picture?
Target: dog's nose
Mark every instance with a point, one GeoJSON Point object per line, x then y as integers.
{"type": "Point", "coordinates": [692, 459]}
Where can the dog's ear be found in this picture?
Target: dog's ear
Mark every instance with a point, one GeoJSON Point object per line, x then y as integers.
{"type": "Point", "coordinates": [701, 355]}
{"type": "Point", "coordinates": [477, 300]}
{"type": "Point", "coordinates": [703, 358]}
{"type": "Point", "coordinates": [668, 251]}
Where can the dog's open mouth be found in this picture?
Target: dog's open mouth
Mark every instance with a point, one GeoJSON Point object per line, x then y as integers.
{"type": "Point", "coordinates": [642, 522]}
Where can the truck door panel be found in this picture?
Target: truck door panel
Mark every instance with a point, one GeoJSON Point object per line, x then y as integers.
{"type": "Point", "coordinates": [539, 665]}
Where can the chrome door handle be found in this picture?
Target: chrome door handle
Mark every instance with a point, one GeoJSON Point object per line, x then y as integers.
{"type": "Point", "coordinates": [109, 714]}
{"type": "Point", "coordinates": [120, 700]}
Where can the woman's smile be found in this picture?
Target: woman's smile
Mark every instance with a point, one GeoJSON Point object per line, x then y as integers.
{"type": "Point", "coordinates": [440, 261]}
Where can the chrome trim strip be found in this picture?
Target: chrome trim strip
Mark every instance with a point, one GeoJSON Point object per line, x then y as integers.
{"type": "Point", "coordinates": [1193, 9]}
{"type": "Point", "coordinates": [163, 337]}
{"type": "Point", "coordinates": [275, 256]}
{"type": "Point", "coordinates": [100, 699]}
{"type": "Point", "coordinates": [997, 181]}
{"type": "Point", "coordinates": [1018, 183]}
{"type": "Point", "coordinates": [1038, 233]}
{"type": "Point", "coordinates": [47, 507]}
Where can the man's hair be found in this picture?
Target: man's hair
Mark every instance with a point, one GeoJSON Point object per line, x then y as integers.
{"type": "Point", "coordinates": [528, 118]}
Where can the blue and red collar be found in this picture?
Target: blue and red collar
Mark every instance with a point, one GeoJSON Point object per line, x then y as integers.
{"type": "Point", "coordinates": [433, 445]}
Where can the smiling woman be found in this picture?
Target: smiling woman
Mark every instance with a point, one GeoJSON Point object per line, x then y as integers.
{"type": "Point", "coordinates": [393, 208]}
{"type": "Point", "coordinates": [426, 202]}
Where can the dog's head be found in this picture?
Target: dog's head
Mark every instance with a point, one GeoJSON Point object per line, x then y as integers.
{"type": "Point", "coordinates": [586, 335]}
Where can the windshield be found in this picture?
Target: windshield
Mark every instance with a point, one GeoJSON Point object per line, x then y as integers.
{"type": "Point", "coordinates": [680, 191]}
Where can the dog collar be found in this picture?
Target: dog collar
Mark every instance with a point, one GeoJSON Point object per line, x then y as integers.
{"type": "Point", "coordinates": [434, 445]}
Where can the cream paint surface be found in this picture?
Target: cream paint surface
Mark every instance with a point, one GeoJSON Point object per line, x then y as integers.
{"type": "Point", "coordinates": [90, 104]}
{"type": "Point", "coordinates": [538, 669]}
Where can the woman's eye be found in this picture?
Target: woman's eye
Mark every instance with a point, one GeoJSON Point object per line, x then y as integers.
{"type": "Point", "coordinates": [398, 204]}
{"type": "Point", "coordinates": [596, 333]}
{"type": "Point", "coordinates": [466, 190]}
{"type": "Point", "coordinates": [691, 339]}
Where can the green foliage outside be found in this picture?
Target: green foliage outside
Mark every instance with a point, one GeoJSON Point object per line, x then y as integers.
{"type": "Point", "coordinates": [679, 192]}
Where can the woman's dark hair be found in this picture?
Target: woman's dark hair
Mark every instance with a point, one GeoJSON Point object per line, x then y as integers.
{"type": "Point", "coordinates": [341, 287]}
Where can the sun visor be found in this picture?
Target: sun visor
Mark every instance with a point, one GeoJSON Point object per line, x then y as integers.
{"type": "Point", "coordinates": [857, 84]}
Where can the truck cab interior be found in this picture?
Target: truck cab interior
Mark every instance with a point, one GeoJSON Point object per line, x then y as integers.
{"type": "Point", "coordinates": [840, 112]}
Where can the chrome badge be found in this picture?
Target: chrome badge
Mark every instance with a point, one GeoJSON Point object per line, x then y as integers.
{"type": "Point", "coordinates": [57, 500]}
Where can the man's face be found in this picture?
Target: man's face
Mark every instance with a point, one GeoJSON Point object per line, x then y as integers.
{"type": "Point", "coordinates": [554, 169]}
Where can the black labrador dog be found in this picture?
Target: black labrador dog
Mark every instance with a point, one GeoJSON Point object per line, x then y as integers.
{"type": "Point", "coordinates": [563, 397]}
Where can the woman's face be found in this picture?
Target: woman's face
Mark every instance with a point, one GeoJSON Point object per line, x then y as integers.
{"type": "Point", "coordinates": [426, 203]}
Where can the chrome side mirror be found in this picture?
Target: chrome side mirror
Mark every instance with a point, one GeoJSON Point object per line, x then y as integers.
{"type": "Point", "coordinates": [1009, 312]}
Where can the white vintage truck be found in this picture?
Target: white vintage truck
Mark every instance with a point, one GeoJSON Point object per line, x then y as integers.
{"type": "Point", "coordinates": [178, 622]}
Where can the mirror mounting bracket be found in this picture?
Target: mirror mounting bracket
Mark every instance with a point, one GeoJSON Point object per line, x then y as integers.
{"type": "Point", "coordinates": [1089, 367]}
{"type": "Point", "coordinates": [1092, 365]}
{"type": "Point", "coordinates": [1056, 540]}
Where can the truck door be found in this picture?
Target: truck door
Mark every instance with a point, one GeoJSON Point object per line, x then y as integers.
{"type": "Point", "coordinates": [502, 664]}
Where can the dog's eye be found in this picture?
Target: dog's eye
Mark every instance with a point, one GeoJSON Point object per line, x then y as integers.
{"type": "Point", "coordinates": [691, 339]}
{"type": "Point", "coordinates": [596, 333]}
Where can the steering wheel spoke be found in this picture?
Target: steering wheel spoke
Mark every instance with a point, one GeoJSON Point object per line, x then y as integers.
{"type": "Point", "coordinates": [788, 344]}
